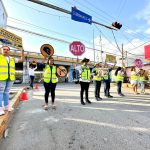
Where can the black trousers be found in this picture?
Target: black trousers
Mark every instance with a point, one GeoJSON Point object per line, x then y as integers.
{"type": "Point", "coordinates": [50, 87]}
{"type": "Point", "coordinates": [106, 87]}
{"type": "Point", "coordinates": [119, 85]}
{"type": "Point", "coordinates": [31, 81]}
{"type": "Point", "coordinates": [97, 88]}
{"type": "Point", "coordinates": [84, 87]}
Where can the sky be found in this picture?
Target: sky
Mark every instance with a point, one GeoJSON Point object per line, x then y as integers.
{"type": "Point", "coordinates": [132, 14]}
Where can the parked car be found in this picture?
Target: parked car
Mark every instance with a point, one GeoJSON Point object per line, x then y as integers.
{"type": "Point", "coordinates": [18, 81]}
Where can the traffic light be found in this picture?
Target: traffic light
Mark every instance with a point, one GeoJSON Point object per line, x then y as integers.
{"type": "Point", "coordinates": [116, 25]}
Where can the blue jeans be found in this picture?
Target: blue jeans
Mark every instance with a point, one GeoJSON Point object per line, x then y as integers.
{"type": "Point", "coordinates": [142, 86]}
{"type": "Point", "coordinates": [119, 85]}
{"type": "Point", "coordinates": [5, 86]}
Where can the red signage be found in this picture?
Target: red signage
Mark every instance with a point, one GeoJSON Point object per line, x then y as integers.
{"type": "Point", "coordinates": [138, 63]}
{"type": "Point", "coordinates": [147, 51]}
{"type": "Point", "coordinates": [77, 48]}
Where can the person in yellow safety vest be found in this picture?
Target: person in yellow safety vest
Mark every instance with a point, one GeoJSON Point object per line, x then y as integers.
{"type": "Point", "coordinates": [85, 78]}
{"type": "Point", "coordinates": [7, 77]}
{"type": "Point", "coordinates": [50, 81]}
{"type": "Point", "coordinates": [142, 80]}
{"type": "Point", "coordinates": [134, 79]}
{"type": "Point", "coordinates": [107, 81]}
{"type": "Point", "coordinates": [97, 77]}
{"type": "Point", "coordinates": [119, 73]}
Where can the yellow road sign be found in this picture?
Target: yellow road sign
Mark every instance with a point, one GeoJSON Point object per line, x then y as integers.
{"type": "Point", "coordinates": [47, 50]}
{"type": "Point", "coordinates": [10, 39]}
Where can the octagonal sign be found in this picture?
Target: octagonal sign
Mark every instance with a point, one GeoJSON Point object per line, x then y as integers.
{"type": "Point", "coordinates": [77, 48]}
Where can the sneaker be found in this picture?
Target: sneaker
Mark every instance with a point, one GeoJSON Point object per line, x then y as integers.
{"type": "Point", "coordinates": [2, 112]}
{"type": "Point", "coordinates": [82, 103]}
{"type": "Point", "coordinates": [8, 108]}
{"type": "Point", "coordinates": [53, 106]}
{"type": "Point", "coordinates": [110, 96]}
{"type": "Point", "coordinates": [98, 98]}
{"type": "Point", "coordinates": [88, 101]}
{"type": "Point", "coordinates": [121, 94]}
{"type": "Point", "coordinates": [46, 107]}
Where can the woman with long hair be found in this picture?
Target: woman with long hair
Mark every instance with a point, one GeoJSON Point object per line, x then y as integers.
{"type": "Point", "coordinates": [134, 79]}
{"type": "Point", "coordinates": [50, 80]}
{"type": "Point", "coordinates": [119, 73]}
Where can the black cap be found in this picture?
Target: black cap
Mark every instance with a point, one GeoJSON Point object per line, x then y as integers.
{"type": "Point", "coordinates": [85, 60]}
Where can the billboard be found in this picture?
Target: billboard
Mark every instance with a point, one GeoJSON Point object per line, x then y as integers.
{"type": "Point", "coordinates": [10, 39]}
{"type": "Point", "coordinates": [110, 59]}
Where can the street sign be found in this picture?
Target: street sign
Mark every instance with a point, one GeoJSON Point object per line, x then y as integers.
{"type": "Point", "coordinates": [77, 48]}
{"type": "Point", "coordinates": [61, 71]}
{"type": "Point", "coordinates": [138, 63]}
{"type": "Point", "coordinates": [47, 50]}
{"type": "Point", "coordinates": [80, 16]}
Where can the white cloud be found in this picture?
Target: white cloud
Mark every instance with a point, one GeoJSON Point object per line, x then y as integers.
{"type": "Point", "coordinates": [147, 31]}
{"type": "Point", "coordinates": [129, 31]}
{"type": "Point", "coordinates": [145, 15]}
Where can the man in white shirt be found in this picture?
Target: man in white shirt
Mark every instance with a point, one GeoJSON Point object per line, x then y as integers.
{"type": "Point", "coordinates": [31, 74]}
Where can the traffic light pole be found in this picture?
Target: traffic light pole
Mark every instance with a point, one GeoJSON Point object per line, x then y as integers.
{"type": "Point", "coordinates": [123, 65]}
{"type": "Point", "coordinates": [65, 11]}
{"type": "Point", "coordinates": [93, 46]}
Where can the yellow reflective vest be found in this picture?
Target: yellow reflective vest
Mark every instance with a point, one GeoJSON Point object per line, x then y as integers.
{"type": "Point", "coordinates": [7, 70]}
{"type": "Point", "coordinates": [134, 77]}
{"type": "Point", "coordinates": [107, 76]}
{"type": "Point", "coordinates": [50, 75]}
{"type": "Point", "coordinates": [96, 77]}
{"type": "Point", "coordinates": [86, 74]}
{"type": "Point", "coordinates": [120, 78]}
{"type": "Point", "coordinates": [142, 78]}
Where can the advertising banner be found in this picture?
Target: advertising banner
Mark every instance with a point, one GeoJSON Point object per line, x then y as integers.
{"type": "Point", "coordinates": [110, 58]}
{"type": "Point", "coordinates": [10, 39]}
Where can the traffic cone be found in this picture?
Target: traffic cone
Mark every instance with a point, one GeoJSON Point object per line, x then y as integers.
{"type": "Point", "coordinates": [24, 96]}
{"type": "Point", "coordinates": [36, 86]}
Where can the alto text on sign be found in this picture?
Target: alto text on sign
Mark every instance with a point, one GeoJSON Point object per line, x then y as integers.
{"type": "Point", "coordinates": [77, 48]}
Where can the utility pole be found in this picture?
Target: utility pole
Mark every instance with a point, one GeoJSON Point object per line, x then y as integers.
{"type": "Point", "coordinates": [65, 11]}
{"type": "Point", "coordinates": [93, 46]}
{"type": "Point", "coordinates": [101, 47]}
{"type": "Point", "coordinates": [122, 57]}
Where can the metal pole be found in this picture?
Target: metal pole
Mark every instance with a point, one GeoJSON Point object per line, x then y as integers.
{"type": "Point", "coordinates": [66, 11]}
{"type": "Point", "coordinates": [122, 57]}
{"type": "Point", "coordinates": [93, 46]}
{"type": "Point", "coordinates": [127, 57]}
{"type": "Point", "coordinates": [101, 47]}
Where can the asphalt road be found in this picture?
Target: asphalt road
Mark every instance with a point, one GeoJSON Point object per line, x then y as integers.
{"type": "Point", "coordinates": [119, 123]}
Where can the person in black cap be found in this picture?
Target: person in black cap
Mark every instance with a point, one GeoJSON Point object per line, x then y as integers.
{"type": "Point", "coordinates": [97, 77]}
{"type": "Point", "coordinates": [85, 77]}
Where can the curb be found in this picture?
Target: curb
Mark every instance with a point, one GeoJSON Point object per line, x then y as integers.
{"type": "Point", "coordinates": [5, 119]}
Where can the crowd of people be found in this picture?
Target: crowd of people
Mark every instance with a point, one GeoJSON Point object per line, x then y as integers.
{"type": "Point", "coordinates": [98, 75]}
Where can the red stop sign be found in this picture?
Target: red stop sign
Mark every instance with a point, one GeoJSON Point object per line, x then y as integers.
{"type": "Point", "coordinates": [77, 48]}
